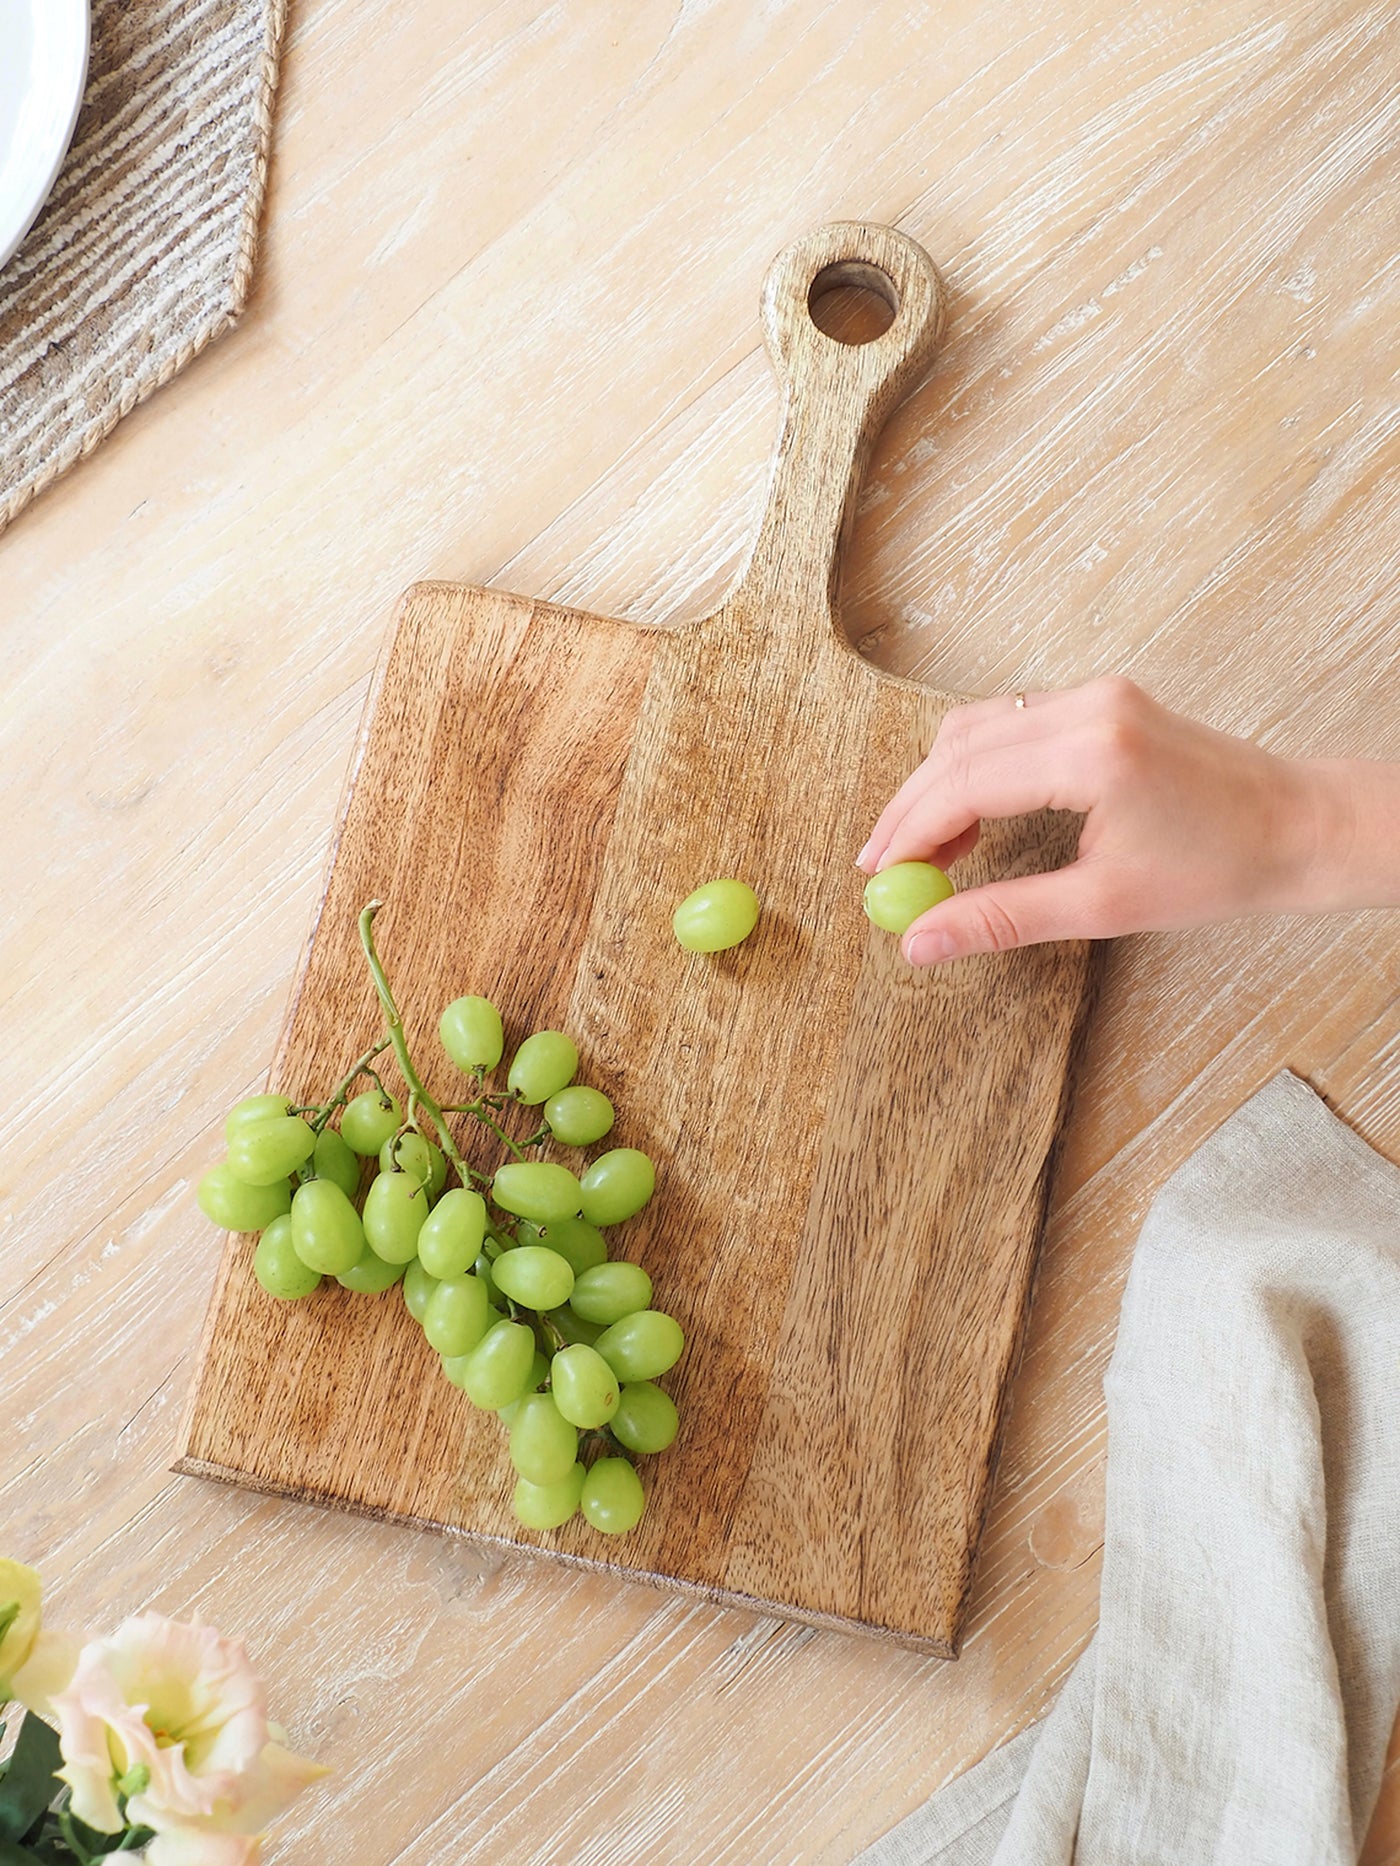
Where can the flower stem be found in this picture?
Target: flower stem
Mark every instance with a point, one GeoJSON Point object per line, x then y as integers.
{"type": "Point", "coordinates": [75, 1846]}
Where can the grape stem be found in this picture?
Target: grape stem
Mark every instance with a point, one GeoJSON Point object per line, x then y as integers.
{"type": "Point", "coordinates": [341, 1093]}
{"type": "Point", "coordinates": [418, 1095]}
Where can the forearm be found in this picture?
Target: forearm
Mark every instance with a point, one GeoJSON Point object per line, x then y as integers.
{"type": "Point", "coordinates": [1353, 857]}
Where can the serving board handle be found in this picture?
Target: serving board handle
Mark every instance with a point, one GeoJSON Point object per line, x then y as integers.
{"type": "Point", "coordinates": [836, 396]}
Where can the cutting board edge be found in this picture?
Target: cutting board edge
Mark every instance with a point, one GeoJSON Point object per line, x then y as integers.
{"type": "Point", "coordinates": [1095, 951]}
{"type": "Point", "coordinates": [927, 1645]}
{"type": "Point", "coordinates": [733, 604]}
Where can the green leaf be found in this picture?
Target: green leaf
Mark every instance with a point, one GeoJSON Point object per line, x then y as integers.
{"type": "Point", "coordinates": [12, 1854]}
{"type": "Point", "coordinates": [29, 1784]}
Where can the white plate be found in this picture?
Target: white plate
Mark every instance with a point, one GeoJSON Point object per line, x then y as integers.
{"type": "Point", "coordinates": [43, 65]}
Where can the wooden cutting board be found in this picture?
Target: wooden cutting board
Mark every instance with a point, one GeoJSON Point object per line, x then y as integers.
{"type": "Point", "coordinates": [853, 1158]}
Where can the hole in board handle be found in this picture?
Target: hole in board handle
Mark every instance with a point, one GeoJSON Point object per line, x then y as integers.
{"type": "Point", "coordinates": [852, 301]}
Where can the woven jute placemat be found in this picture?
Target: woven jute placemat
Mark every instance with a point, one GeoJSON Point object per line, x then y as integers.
{"type": "Point", "coordinates": [144, 252]}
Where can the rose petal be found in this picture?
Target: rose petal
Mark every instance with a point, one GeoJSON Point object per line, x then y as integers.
{"type": "Point", "coordinates": [45, 1673]}
{"type": "Point", "coordinates": [201, 1846]}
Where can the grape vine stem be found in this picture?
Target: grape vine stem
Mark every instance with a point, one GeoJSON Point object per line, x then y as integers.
{"type": "Point", "coordinates": [418, 1094]}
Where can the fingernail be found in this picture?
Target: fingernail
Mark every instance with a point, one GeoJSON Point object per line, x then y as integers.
{"type": "Point", "coordinates": [930, 948]}
{"type": "Point", "coordinates": [861, 858]}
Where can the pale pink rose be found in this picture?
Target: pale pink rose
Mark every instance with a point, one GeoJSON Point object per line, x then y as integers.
{"type": "Point", "coordinates": [182, 1703]}
{"type": "Point", "coordinates": [34, 1663]}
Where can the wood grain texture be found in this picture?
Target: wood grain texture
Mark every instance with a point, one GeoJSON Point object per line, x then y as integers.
{"type": "Point", "coordinates": [1161, 439]}
{"type": "Point", "coordinates": [853, 1157]}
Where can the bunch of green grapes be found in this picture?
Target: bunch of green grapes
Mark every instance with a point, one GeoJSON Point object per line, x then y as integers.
{"type": "Point", "coordinates": [506, 1271]}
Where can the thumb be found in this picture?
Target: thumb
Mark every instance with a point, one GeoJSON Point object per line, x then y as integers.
{"type": "Point", "coordinates": [1065, 904]}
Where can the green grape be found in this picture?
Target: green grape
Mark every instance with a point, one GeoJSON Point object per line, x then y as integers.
{"type": "Point", "coordinates": [543, 1445]}
{"type": "Point", "coordinates": [542, 1065]}
{"type": "Point", "coordinates": [482, 1268]}
{"type": "Point", "coordinates": [455, 1367]}
{"type": "Point", "coordinates": [326, 1228]}
{"type": "Point", "coordinates": [643, 1345]}
{"type": "Point", "coordinates": [536, 1189]}
{"type": "Point", "coordinates": [369, 1120]}
{"type": "Point", "coordinates": [262, 1152]}
{"type": "Point", "coordinates": [547, 1506]}
{"type": "Point", "coordinates": [498, 1369]}
{"type": "Point", "coordinates": [452, 1232]}
{"type": "Point", "coordinates": [716, 917]}
{"type": "Point", "coordinates": [896, 897]}
{"type": "Point", "coordinates": [617, 1185]}
{"type": "Point", "coordinates": [533, 1276]}
{"type": "Point", "coordinates": [573, 1327]}
{"type": "Point", "coordinates": [456, 1315]}
{"type": "Point", "coordinates": [254, 1108]}
{"type": "Point", "coordinates": [470, 1030]}
{"type": "Point", "coordinates": [610, 1291]}
{"type": "Point", "coordinates": [539, 1373]}
{"type": "Point", "coordinates": [612, 1499]}
{"type": "Point", "coordinates": [236, 1206]}
{"type": "Point", "coordinates": [578, 1116]}
{"type": "Point", "coordinates": [395, 1207]}
{"type": "Point", "coordinates": [333, 1160]}
{"type": "Point", "coordinates": [277, 1266]}
{"type": "Point", "coordinates": [371, 1274]}
{"type": "Point", "coordinates": [646, 1418]}
{"type": "Point", "coordinates": [411, 1153]}
{"type": "Point", "coordinates": [584, 1386]}
{"type": "Point", "coordinates": [418, 1286]}
{"type": "Point", "coordinates": [579, 1243]}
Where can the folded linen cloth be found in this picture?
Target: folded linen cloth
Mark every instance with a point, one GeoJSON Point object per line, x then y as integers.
{"type": "Point", "coordinates": [1235, 1705]}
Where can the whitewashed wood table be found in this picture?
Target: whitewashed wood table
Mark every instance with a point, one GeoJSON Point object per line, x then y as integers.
{"type": "Point", "coordinates": [506, 331]}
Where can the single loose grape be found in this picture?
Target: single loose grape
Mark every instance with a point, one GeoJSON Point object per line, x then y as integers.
{"type": "Point", "coordinates": [617, 1185]}
{"type": "Point", "coordinates": [573, 1327]}
{"type": "Point", "coordinates": [470, 1032]}
{"type": "Point", "coordinates": [716, 917]}
{"type": "Point", "coordinates": [612, 1499]}
{"type": "Point", "coordinates": [452, 1232]}
{"type": "Point", "coordinates": [537, 1189]}
{"type": "Point", "coordinates": [254, 1108]}
{"type": "Point", "coordinates": [543, 1445]}
{"type": "Point", "coordinates": [262, 1152]}
{"type": "Point", "coordinates": [333, 1160]}
{"type": "Point", "coordinates": [896, 897]}
{"type": "Point", "coordinates": [610, 1291]}
{"type": "Point", "coordinates": [584, 1386]}
{"type": "Point", "coordinates": [643, 1345]}
{"type": "Point", "coordinates": [369, 1120]}
{"type": "Point", "coordinates": [646, 1418]}
{"type": "Point", "coordinates": [498, 1367]}
{"type": "Point", "coordinates": [578, 1116]}
{"type": "Point", "coordinates": [412, 1153]}
{"type": "Point", "coordinates": [579, 1243]}
{"type": "Point", "coordinates": [235, 1206]}
{"type": "Point", "coordinates": [547, 1506]}
{"type": "Point", "coordinates": [533, 1276]}
{"type": "Point", "coordinates": [418, 1286]}
{"type": "Point", "coordinates": [456, 1314]}
{"type": "Point", "coordinates": [542, 1065]}
{"type": "Point", "coordinates": [395, 1208]}
{"type": "Point", "coordinates": [371, 1275]}
{"type": "Point", "coordinates": [277, 1266]}
{"type": "Point", "coordinates": [326, 1228]}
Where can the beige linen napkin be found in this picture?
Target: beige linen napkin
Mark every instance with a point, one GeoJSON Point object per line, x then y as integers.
{"type": "Point", "coordinates": [1236, 1702]}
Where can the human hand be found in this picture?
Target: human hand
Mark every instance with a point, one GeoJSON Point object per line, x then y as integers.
{"type": "Point", "coordinates": [1182, 824]}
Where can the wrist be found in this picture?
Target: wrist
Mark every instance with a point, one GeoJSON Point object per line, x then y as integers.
{"type": "Point", "coordinates": [1348, 835]}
